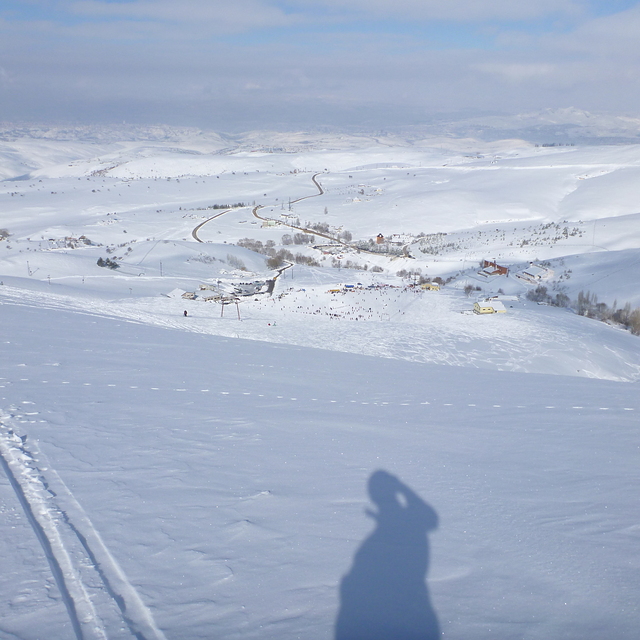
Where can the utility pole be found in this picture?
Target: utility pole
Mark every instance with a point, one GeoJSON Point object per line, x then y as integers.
{"type": "Point", "coordinates": [161, 269]}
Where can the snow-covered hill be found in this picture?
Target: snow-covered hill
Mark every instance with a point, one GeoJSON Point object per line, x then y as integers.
{"type": "Point", "coordinates": [140, 202]}
{"type": "Point", "coordinates": [181, 468]}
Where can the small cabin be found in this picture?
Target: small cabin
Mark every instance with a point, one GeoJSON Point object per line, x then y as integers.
{"type": "Point", "coordinates": [430, 286]}
{"type": "Point", "coordinates": [488, 306]}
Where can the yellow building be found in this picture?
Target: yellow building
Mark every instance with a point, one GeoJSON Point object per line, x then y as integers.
{"type": "Point", "coordinates": [489, 306]}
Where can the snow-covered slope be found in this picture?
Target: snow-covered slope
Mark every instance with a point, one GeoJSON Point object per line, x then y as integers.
{"type": "Point", "coordinates": [419, 327]}
{"type": "Point", "coordinates": [179, 468]}
{"type": "Point", "coordinates": [227, 479]}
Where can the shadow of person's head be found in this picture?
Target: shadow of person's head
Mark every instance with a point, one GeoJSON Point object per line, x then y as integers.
{"type": "Point", "coordinates": [398, 505]}
{"type": "Point", "coordinates": [383, 487]}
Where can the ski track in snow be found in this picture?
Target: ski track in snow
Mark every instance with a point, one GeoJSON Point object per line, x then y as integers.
{"type": "Point", "coordinates": [94, 588]}
{"type": "Point", "coordinates": [284, 399]}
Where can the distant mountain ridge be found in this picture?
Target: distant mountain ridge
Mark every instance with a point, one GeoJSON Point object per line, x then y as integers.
{"type": "Point", "coordinates": [564, 126]}
{"type": "Point", "coordinates": [550, 125]}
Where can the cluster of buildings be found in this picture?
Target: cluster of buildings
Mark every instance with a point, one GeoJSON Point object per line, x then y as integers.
{"type": "Point", "coordinates": [218, 293]}
{"type": "Point", "coordinates": [69, 242]}
{"type": "Point", "coordinates": [533, 274]}
{"type": "Point", "coordinates": [394, 238]}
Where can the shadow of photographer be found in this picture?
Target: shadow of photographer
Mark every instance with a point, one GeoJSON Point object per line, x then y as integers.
{"type": "Point", "coordinates": [384, 596]}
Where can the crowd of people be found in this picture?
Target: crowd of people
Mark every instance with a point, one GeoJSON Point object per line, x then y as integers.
{"type": "Point", "coordinates": [360, 304]}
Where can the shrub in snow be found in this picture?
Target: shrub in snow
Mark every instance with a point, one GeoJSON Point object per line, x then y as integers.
{"type": "Point", "coordinates": [539, 294]}
{"type": "Point", "coordinates": [108, 263]}
{"type": "Point", "coordinates": [235, 262]}
{"type": "Point", "coordinates": [274, 262]}
{"type": "Point", "coordinates": [302, 238]}
{"type": "Point", "coordinates": [279, 257]}
{"type": "Point", "coordinates": [300, 258]}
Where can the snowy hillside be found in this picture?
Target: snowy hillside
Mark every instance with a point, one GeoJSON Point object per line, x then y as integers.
{"type": "Point", "coordinates": [160, 211]}
{"type": "Point", "coordinates": [227, 481]}
{"type": "Point", "coordinates": [212, 343]}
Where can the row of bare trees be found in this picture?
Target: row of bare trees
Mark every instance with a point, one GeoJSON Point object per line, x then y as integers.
{"type": "Point", "coordinates": [588, 305]}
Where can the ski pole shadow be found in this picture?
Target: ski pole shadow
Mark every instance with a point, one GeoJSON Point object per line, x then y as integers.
{"type": "Point", "coordinates": [384, 596]}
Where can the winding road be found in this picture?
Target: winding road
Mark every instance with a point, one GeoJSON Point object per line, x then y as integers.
{"type": "Point", "coordinates": [255, 210]}
{"type": "Point", "coordinates": [194, 233]}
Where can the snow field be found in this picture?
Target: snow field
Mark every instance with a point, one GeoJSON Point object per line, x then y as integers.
{"type": "Point", "coordinates": [236, 510]}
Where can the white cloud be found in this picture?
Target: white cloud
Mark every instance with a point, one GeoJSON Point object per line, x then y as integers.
{"type": "Point", "coordinates": [236, 15]}
{"type": "Point", "coordinates": [453, 10]}
{"type": "Point", "coordinates": [615, 34]}
{"type": "Point", "coordinates": [166, 61]}
{"type": "Point", "coordinates": [516, 72]}
{"type": "Point", "coordinates": [242, 15]}
{"type": "Point", "coordinates": [5, 78]}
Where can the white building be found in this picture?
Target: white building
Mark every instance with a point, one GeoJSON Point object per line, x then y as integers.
{"type": "Point", "coordinates": [534, 273]}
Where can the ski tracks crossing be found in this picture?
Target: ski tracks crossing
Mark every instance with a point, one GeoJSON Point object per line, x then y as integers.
{"type": "Point", "coordinates": [101, 602]}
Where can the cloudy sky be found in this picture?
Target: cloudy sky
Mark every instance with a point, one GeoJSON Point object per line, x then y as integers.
{"type": "Point", "coordinates": [240, 64]}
